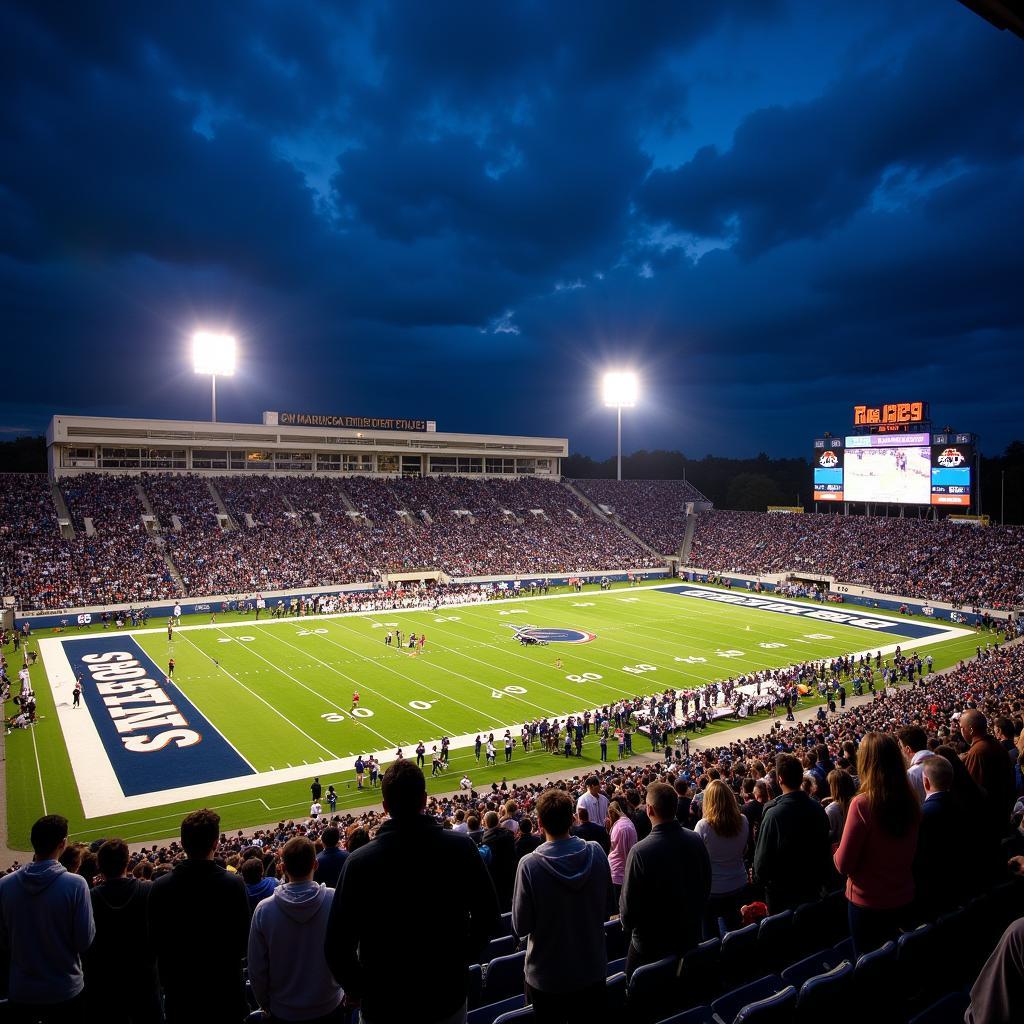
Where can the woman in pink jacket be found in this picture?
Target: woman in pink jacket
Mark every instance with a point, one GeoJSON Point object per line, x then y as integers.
{"type": "Point", "coordinates": [877, 849]}
{"type": "Point", "coordinates": [623, 839]}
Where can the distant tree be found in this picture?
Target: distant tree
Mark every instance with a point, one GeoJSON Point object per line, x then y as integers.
{"type": "Point", "coordinates": [754, 492]}
{"type": "Point", "coordinates": [23, 455]}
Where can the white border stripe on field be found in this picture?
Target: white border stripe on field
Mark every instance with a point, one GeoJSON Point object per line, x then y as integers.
{"type": "Point", "coordinates": [102, 795]}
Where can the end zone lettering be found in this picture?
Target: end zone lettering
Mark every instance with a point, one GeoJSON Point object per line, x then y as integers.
{"type": "Point", "coordinates": [136, 702]}
{"type": "Point", "coordinates": [790, 609]}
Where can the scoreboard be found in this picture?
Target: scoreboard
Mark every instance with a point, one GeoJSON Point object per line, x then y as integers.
{"type": "Point", "coordinates": [895, 469]}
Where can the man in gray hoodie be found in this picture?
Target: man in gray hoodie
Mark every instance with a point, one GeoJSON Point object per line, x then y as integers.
{"type": "Point", "coordinates": [46, 924]}
{"type": "Point", "coordinates": [288, 930]}
{"type": "Point", "coordinates": [563, 896]}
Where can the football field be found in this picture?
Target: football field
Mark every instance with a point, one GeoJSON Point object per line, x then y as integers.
{"type": "Point", "coordinates": [255, 709]}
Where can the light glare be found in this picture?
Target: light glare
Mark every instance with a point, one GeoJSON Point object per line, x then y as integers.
{"type": "Point", "coordinates": [620, 390]}
{"type": "Point", "coordinates": [213, 353]}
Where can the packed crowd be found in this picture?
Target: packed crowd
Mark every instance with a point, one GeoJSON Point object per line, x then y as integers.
{"type": "Point", "coordinates": [965, 565]}
{"type": "Point", "coordinates": [655, 510]}
{"type": "Point", "coordinates": [891, 799]}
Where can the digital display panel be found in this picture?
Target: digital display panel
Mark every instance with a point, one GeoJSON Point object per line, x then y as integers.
{"type": "Point", "coordinates": [828, 474]}
{"type": "Point", "coordinates": [885, 473]}
{"type": "Point", "coordinates": [951, 474]}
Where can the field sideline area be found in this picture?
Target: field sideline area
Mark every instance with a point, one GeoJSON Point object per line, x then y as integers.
{"type": "Point", "coordinates": [255, 709]}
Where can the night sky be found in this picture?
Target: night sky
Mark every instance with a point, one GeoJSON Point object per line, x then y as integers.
{"type": "Point", "coordinates": [467, 211]}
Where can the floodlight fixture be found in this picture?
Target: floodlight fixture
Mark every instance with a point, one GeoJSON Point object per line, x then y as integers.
{"type": "Point", "coordinates": [621, 389]}
{"type": "Point", "coordinates": [213, 354]}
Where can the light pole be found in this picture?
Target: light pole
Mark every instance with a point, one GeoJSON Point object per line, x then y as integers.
{"type": "Point", "coordinates": [213, 354]}
{"type": "Point", "coordinates": [620, 392]}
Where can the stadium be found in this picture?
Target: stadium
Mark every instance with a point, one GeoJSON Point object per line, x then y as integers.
{"type": "Point", "coordinates": [375, 696]}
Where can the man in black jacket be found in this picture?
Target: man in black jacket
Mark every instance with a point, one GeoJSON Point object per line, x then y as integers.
{"type": "Point", "coordinates": [666, 885]}
{"type": "Point", "coordinates": [412, 871]}
{"type": "Point", "coordinates": [199, 928]}
{"type": "Point", "coordinates": [943, 846]}
{"type": "Point", "coordinates": [331, 859]}
{"type": "Point", "coordinates": [793, 857]}
{"type": "Point", "coordinates": [503, 860]}
{"type": "Point", "coordinates": [590, 831]}
{"type": "Point", "coordinates": [120, 970]}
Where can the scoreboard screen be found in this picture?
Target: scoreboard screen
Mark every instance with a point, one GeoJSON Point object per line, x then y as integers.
{"type": "Point", "coordinates": [895, 469]}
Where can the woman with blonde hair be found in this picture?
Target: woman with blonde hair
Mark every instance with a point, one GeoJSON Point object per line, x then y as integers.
{"type": "Point", "coordinates": [879, 840]}
{"type": "Point", "coordinates": [842, 789]}
{"type": "Point", "coordinates": [725, 832]}
{"type": "Point", "coordinates": [622, 835]}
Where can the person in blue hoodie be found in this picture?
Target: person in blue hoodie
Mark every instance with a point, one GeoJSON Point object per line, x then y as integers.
{"type": "Point", "coordinates": [288, 931]}
{"type": "Point", "coordinates": [46, 924]}
{"type": "Point", "coordinates": [257, 887]}
{"type": "Point", "coordinates": [563, 896]}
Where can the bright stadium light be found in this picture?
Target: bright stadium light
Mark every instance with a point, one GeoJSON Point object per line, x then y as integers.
{"type": "Point", "coordinates": [620, 392]}
{"type": "Point", "coordinates": [213, 354]}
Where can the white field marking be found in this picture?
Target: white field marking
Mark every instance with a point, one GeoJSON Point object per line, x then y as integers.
{"type": "Point", "coordinates": [39, 771]}
{"type": "Point", "coordinates": [327, 700]}
{"type": "Point", "coordinates": [357, 683]}
{"type": "Point", "coordinates": [263, 701]}
{"type": "Point", "coordinates": [105, 829]}
{"type": "Point", "coordinates": [441, 668]}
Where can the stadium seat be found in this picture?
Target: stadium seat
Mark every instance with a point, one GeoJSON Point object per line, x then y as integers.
{"type": "Point", "coordinates": [501, 947]}
{"type": "Point", "coordinates": [825, 997]}
{"type": "Point", "coordinates": [773, 941]}
{"type": "Point", "coordinates": [773, 1009]}
{"type": "Point", "coordinates": [506, 923]}
{"type": "Point", "coordinates": [616, 967]}
{"type": "Point", "coordinates": [916, 953]}
{"type": "Point", "coordinates": [811, 928]}
{"type": "Point", "coordinates": [875, 973]}
{"type": "Point", "coordinates": [504, 977]}
{"type": "Point", "coordinates": [492, 1011]}
{"type": "Point", "coordinates": [810, 967]}
{"type": "Point", "coordinates": [523, 1013]}
{"type": "Point", "coordinates": [739, 956]}
{"type": "Point", "coordinates": [256, 1017]}
{"type": "Point", "coordinates": [615, 940]}
{"type": "Point", "coordinates": [844, 951]}
{"type": "Point", "coordinates": [697, 1015]}
{"type": "Point", "coordinates": [653, 990]}
{"type": "Point", "coordinates": [836, 917]}
{"type": "Point", "coordinates": [700, 974]}
{"type": "Point", "coordinates": [728, 1006]}
{"type": "Point", "coordinates": [947, 1010]}
{"type": "Point", "coordinates": [615, 991]}
{"type": "Point", "coordinates": [474, 986]}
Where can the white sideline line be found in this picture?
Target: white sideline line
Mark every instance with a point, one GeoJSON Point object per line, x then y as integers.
{"type": "Point", "coordinates": [39, 771]}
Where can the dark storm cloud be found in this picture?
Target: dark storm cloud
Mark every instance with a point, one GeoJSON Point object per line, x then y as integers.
{"type": "Point", "coordinates": [456, 210]}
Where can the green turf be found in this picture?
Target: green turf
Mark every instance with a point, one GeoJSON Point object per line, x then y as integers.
{"type": "Point", "coordinates": [283, 697]}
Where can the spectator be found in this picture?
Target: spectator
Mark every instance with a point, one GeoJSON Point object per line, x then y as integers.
{"type": "Point", "coordinates": [46, 924]}
{"type": "Point", "coordinates": [562, 900]}
{"type": "Point", "coordinates": [590, 830]}
{"type": "Point", "coordinates": [595, 802]}
{"type": "Point", "coordinates": [998, 992]}
{"type": "Point", "coordinates": [724, 831]}
{"type": "Point", "coordinates": [877, 850]}
{"type": "Point", "coordinates": [988, 765]}
{"type": "Point", "coordinates": [290, 978]}
{"type": "Point", "coordinates": [622, 839]}
{"type": "Point", "coordinates": [842, 790]}
{"type": "Point", "coordinates": [502, 862]}
{"type": "Point", "coordinates": [331, 859]}
{"type": "Point", "coordinates": [414, 871]}
{"type": "Point", "coordinates": [913, 741]}
{"type": "Point", "coordinates": [667, 885]}
{"type": "Point", "coordinates": [257, 887]}
{"type": "Point", "coordinates": [792, 859]}
{"type": "Point", "coordinates": [942, 844]}
{"type": "Point", "coordinates": [199, 926]}
{"type": "Point", "coordinates": [120, 970]}
{"type": "Point", "coordinates": [527, 841]}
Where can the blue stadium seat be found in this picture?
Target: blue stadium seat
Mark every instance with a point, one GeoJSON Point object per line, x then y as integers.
{"type": "Point", "coordinates": [615, 992]}
{"type": "Point", "coordinates": [773, 941]}
{"type": "Point", "coordinates": [873, 974]}
{"type": "Point", "coordinates": [616, 966]}
{"type": "Point", "coordinates": [773, 1009]}
{"type": "Point", "coordinates": [492, 1011]}
{"type": "Point", "coordinates": [810, 967]}
{"type": "Point", "coordinates": [739, 958]}
{"type": "Point", "coordinates": [504, 977]}
{"type": "Point", "coordinates": [916, 953]}
{"type": "Point", "coordinates": [697, 1015]}
{"type": "Point", "coordinates": [501, 947]}
{"type": "Point", "coordinates": [836, 917]}
{"type": "Point", "coordinates": [726, 1007]}
{"type": "Point", "coordinates": [811, 928]}
{"type": "Point", "coordinates": [474, 986]}
{"type": "Point", "coordinates": [256, 1017]}
{"type": "Point", "coordinates": [614, 940]}
{"type": "Point", "coordinates": [947, 1010]}
{"type": "Point", "coordinates": [844, 951]}
{"type": "Point", "coordinates": [523, 1013]}
{"type": "Point", "coordinates": [700, 974]}
{"type": "Point", "coordinates": [825, 996]}
{"type": "Point", "coordinates": [506, 923]}
{"type": "Point", "coordinates": [653, 990]}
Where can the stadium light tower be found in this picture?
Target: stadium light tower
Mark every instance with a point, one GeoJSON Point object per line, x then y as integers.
{"type": "Point", "coordinates": [213, 354]}
{"type": "Point", "coordinates": [620, 392]}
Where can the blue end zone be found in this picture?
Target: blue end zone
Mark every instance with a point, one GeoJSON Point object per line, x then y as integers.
{"type": "Point", "coordinates": [152, 733]}
{"type": "Point", "coordinates": [910, 630]}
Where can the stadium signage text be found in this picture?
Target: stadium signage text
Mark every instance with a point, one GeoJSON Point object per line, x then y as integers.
{"type": "Point", "coordinates": [306, 419]}
{"type": "Point", "coordinates": [136, 702]}
{"type": "Point", "coordinates": [894, 414]}
{"type": "Point", "coordinates": [790, 609]}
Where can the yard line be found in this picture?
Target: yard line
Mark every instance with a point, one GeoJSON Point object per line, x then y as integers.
{"type": "Point", "coordinates": [39, 771]}
{"type": "Point", "coordinates": [261, 699]}
{"type": "Point", "coordinates": [327, 700]}
{"type": "Point", "coordinates": [449, 671]}
{"type": "Point", "coordinates": [367, 689]}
